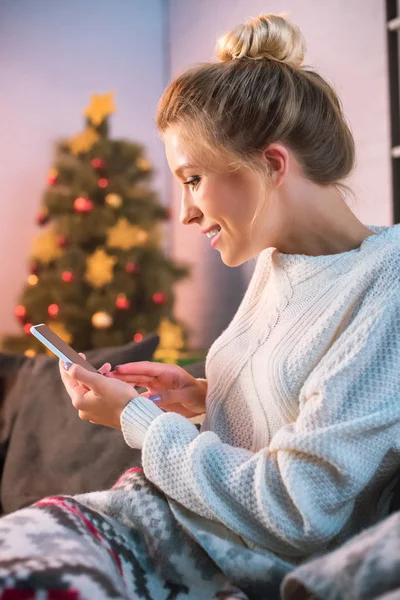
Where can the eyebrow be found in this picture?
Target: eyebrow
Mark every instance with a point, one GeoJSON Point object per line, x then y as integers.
{"type": "Point", "coordinates": [182, 167]}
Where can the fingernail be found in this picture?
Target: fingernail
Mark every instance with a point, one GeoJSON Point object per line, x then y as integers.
{"type": "Point", "coordinates": [67, 365]}
{"type": "Point", "coordinates": [155, 398]}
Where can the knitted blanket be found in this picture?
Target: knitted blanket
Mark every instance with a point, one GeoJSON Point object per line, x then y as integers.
{"type": "Point", "coordinates": [123, 543]}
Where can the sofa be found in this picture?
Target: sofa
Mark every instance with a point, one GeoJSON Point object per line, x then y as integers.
{"type": "Point", "coordinates": [45, 449]}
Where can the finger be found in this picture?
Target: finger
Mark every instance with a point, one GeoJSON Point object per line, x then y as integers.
{"type": "Point", "coordinates": [83, 355]}
{"type": "Point", "coordinates": [138, 380]}
{"type": "Point", "coordinates": [94, 381]}
{"type": "Point", "coordinates": [106, 368]}
{"type": "Point", "coordinates": [145, 367]}
{"type": "Point", "coordinates": [66, 379]}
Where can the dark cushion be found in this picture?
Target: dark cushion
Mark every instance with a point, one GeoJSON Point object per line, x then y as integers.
{"type": "Point", "coordinates": [46, 448]}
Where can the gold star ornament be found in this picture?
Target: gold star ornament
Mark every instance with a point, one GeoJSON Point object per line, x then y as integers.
{"type": "Point", "coordinates": [46, 247]}
{"type": "Point", "coordinates": [83, 141]}
{"type": "Point", "coordinates": [170, 335]}
{"type": "Point", "coordinates": [99, 268]}
{"type": "Point", "coordinates": [124, 235]}
{"type": "Point", "coordinates": [101, 105]}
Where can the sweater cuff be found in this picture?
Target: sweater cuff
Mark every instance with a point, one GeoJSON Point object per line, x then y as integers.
{"type": "Point", "coordinates": [136, 418]}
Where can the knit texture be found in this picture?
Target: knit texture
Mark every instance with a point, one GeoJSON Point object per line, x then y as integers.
{"type": "Point", "coordinates": [302, 429]}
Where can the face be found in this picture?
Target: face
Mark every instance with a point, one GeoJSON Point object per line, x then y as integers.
{"type": "Point", "coordinates": [222, 204]}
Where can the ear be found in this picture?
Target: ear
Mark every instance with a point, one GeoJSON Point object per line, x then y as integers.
{"type": "Point", "coordinates": [277, 157]}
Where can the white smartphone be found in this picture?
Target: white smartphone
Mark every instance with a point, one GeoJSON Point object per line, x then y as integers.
{"type": "Point", "coordinates": [54, 343]}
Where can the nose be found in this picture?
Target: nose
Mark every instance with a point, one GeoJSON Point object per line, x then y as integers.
{"type": "Point", "coordinates": [190, 213]}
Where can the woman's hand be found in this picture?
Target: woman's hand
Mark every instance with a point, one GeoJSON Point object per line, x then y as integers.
{"type": "Point", "coordinates": [99, 399]}
{"type": "Point", "coordinates": [178, 391]}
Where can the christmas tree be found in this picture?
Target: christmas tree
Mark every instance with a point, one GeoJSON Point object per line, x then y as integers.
{"type": "Point", "coordinates": [98, 275]}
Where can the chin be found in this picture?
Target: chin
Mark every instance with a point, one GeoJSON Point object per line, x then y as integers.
{"type": "Point", "coordinates": [234, 260]}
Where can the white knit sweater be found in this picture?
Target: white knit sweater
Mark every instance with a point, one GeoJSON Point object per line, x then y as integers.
{"type": "Point", "coordinates": [302, 428]}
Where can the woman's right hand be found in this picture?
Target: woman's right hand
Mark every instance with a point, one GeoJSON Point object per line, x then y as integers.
{"type": "Point", "coordinates": [179, 391]}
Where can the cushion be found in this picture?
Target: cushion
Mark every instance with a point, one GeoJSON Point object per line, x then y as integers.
{"type": "Point", "coordinates": [46, 448]}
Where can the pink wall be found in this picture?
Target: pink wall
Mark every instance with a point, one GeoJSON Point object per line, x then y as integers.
{"type": "Point", "coordinates": [346, 43]}
{"type": "Point", "coordinates": [53, 55]}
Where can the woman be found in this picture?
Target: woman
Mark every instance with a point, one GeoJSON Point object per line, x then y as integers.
{"type": "Point", "coordinates": [301, 399]}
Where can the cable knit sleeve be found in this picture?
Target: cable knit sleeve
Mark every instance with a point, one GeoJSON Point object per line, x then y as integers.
{"type": "Point", "coordinates": [297, 494]}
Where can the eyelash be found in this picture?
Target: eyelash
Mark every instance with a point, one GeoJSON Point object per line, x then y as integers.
{"type": "Point", "coordinates": [195, 180]}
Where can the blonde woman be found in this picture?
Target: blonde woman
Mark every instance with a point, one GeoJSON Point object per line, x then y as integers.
{"type": "Point", "coordinates": [299, 444]}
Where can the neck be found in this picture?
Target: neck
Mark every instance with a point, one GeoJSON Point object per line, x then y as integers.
{"type": "Point", "coordinates": [316, 221]}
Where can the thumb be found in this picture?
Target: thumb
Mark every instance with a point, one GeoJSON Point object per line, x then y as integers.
{"type": "Point", "coordinates": [94, 381]}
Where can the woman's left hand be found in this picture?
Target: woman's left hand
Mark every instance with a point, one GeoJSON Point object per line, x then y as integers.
{"type": "Point", "coordinates": [98, 399]}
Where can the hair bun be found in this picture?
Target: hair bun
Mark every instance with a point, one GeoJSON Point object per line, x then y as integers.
{"type": "Point", "coordinates": [268, 36]}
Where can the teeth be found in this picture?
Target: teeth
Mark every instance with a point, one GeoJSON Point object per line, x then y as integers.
{"type": "Point", "coordinates": [213, 232]}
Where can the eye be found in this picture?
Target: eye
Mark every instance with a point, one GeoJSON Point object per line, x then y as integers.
{"type": "Point", "coordinates": [192, 182]}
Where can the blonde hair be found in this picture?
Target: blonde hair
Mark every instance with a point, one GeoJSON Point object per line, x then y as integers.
{"type": "Point", "coordinates": [259, 92]}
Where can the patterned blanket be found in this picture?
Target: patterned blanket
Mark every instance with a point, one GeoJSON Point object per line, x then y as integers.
{"type": "Point", "coordinates": [125, 544]}
{"type": "Point", "coordinates": [98, 546]}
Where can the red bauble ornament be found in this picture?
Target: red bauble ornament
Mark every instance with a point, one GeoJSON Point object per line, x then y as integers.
{"type": "Point", "coordinates": [67, 276]}
{"type": "Point", "coordinates": [131, 267]}
{"type": "Point", "coordinates": [122, 302]}
{"type": "Point", "coordinates": [53, 310]}
{"type": "Point", "coordinates": [27, 328]}
{"type": "Point", "coordinates": [159, 298]}
{"type": "Point", "coordinates": [102, 182]}
{"type": "Point", "coordinates": [51, 180]}
{"type": "Point", "coordinates": [62, 241]}
{"type": "Point", "coordinates": [138, 337]}
{"type": "Point", "coordinates": [42, 218]}
{"type": "Point", "coordinates": [20, 312]}
{"type": "Point", "coordinates": [83, 205]}
{"type": "Point", "coordinates": [98, 163]}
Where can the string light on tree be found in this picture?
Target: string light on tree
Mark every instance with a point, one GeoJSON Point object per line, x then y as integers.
{"type": "Point", "coordinates": [20, 312]}
{"type": "Point", "coordinates": [63, 241]}
{"type": "Point", "coordinates": [131, 267]}
{"type": "Point", "coordinates": [143, 164]}
{"type": "Point", "coordinates": [113, 200]}
{"type": "Point", "coordinates": [32, 279]}
{"type": "Point", "coordinates": [102, 182]}
{"type": "Point", "coordinates": [138, 337]}
{"type": "Point", "coordinates": [67, 276]}
{"type": "Point", "coordinates": [102, 320]}
{"type": "Point", "coordinates": [30, 353]}
{"type": "Point", "coordinates": [53, 310]}
{"type": "Point", "coordinates": [122, 302]}
{"type": "Point", "coordinates": [159, 298]}
{"type": "Point", "coordinates": [27, 328]}
{"type": "Point", "coordinates": [83, 205]}
{"type": "Point", "coordinates": [98, 163]}
{"type": "Point", "coordinates": [42, 218]}
{"type": "Point", "coordinates": [52, 176]}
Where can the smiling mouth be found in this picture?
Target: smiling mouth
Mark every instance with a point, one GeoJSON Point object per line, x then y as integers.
{"type": "Point", "coordinates": [213, 232]}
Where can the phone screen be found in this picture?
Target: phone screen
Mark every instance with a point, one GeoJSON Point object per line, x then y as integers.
{"type": "Point", "coordinates": [54, 343]}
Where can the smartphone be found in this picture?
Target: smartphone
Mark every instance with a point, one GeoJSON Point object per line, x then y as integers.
{"type": "Point", "coordinates": [54, 343]}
